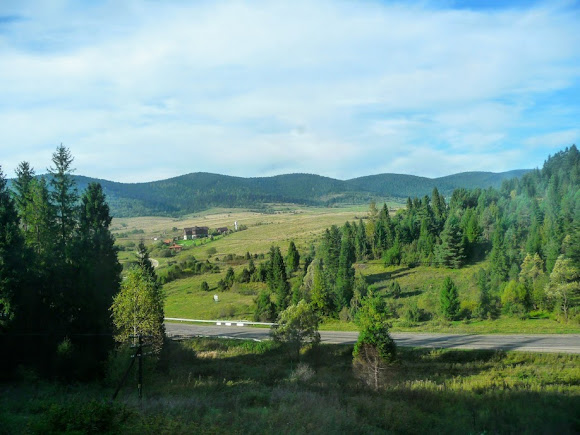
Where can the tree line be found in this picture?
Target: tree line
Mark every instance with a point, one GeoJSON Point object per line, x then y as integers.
{"type": "Point", "coordinates": [59, 272]}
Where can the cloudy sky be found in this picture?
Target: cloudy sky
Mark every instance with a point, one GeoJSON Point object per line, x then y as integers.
{"type": "Point", "coordinates": [145, 90]}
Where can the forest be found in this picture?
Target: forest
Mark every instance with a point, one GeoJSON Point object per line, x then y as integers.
{"type": "Point", "coordinates": [59, 273]}
{"type": "Point", "coordinates": [527, 233]}
{"type": "Point", "coordinates": [200, 191]}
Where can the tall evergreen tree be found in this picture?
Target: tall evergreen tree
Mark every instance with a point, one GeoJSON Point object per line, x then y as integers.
{"type": "Point", "coordinates": [450, 252]}
{"type": "Point", "coordinates": [277, 279]}
{"type": "Point", "coordinates": [320, 293]}
{"type": "Point", "coordinates": [292, 258]}
{"type": "Point", "coordinates": [97, 260]}
{"type": "Point", "coordinates": [12, 261]}
{"type": "Point", "coordinates": [23, 191]}
{"type": "Point", "coordinates": [449, 299]}
{"type": "Point", "coordinates": [64, 197]}
{"type": "Point", "coordinates": [361, 244]}
{"type": "Point", "coordinates": [345, 278]}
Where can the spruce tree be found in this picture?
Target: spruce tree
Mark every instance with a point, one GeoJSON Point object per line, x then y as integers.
{"type": "Point", "coordinates": [12, 261]}
{"type": "Point", "coordinates": [361, 244]}
{"type": "Point", "coordinates": [449, 299]}
{"type": "Point", "coordinates": [345, 278]}
{"type": "Point", "coordinates": [277, 279]}
{"type": "Point", "coordinates": [64, 197]}
{"type": "Point", "coordinates": [99, 274]}
{"type": "Point", "coordinates": [450, 252]}
{"type": "Point", "coordinates": [22, 186]}
{"type": "Point", "coordinates": [292, 258]}
{"type": "Point", "coordinates": [320, 295]}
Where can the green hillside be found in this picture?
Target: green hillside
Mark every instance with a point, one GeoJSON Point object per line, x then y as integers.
{"type": "Point", "coordinates": [201, 191]}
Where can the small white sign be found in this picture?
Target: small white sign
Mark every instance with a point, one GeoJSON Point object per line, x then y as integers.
{"type": "Point", "coordinates": [215, 298]}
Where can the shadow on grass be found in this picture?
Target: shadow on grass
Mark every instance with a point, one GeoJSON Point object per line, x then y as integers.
{"type": "Point", "coordinates": [410, 294]}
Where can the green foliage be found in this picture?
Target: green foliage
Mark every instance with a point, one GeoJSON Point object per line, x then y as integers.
{"type": "Point", "coordinates": [292, 258]}
{"type": "Point", "coordinates": [138, 309]}
{"type": "Point", "coordinates": [564, 284]}
{"type": "Point", "coordinates": [64, 196]}
{"type": "Point", "coordinates": [449, 299]}
{"type": "Point", "coordinates": [297, 325]}
{"type": "Point", "coordinates": [277, 279]}
{"type": "Point", "coordinates": [375, 348]}
{"type": "Point", "coordinates": [451, 251]}
{"type": "Point", "coordinates": [12, 259]}
{"type": "Point", "coordinates": [204, 286]}
{"type": "Point", "coordinates": [320, 294]}
{"type": "Point", "coordinates": [265, 309]}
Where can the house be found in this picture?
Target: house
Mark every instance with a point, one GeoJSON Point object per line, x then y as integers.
{"type": "Point", "coordinates": [195, 233]}
{"type": "Point", "coordinates": [176, 248]}
{"type": "Point", "coordinates": [221, 230]}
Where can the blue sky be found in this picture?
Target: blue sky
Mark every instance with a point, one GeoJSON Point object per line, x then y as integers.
{"type": "Point", "coordinates": [145, 90]}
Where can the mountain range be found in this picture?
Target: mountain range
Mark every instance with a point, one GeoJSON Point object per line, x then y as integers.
{"type": "Point", "coordinates": [199, 191]}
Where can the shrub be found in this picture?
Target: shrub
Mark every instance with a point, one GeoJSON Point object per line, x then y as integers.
{"type": "Point", "coordinates": [297, 324]}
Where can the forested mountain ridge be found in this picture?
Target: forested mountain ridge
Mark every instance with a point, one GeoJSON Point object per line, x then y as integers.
{"type": "Point", "coordinates": [199, 191]}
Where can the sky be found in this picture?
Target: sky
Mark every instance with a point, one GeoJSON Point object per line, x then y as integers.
{"type": "Point", "coordinates": [147, 90]}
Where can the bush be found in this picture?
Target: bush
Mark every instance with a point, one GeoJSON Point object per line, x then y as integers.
{"type": "Point", "coordinates": [297, 324]}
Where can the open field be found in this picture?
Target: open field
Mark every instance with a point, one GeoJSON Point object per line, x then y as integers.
{"type": "Point", "coordinates": [234, 386]}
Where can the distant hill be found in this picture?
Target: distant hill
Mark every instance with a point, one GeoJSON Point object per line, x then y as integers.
{"type": "Point", "coordinates": [199, 191]}
{"type": "Point", "coordinates": [400, 185]}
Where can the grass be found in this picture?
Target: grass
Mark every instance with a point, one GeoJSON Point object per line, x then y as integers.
{"type": "Point", "coordinates": [231, 386]}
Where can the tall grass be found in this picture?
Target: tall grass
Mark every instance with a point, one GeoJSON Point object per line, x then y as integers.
{"type": "Point", "coordinates": [217, 386]}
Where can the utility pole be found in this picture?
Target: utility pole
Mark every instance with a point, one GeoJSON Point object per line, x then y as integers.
{"type": "Point", "coordinates": [138, 355]}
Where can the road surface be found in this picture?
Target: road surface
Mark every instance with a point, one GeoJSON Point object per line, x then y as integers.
{"type": "Point", "coordinates": [565, 343]}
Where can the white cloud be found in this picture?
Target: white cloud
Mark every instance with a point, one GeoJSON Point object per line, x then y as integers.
{"type": "Point", "coordinates": [132, 87]}
{"type": "Point", "coordinates": [556, 139]}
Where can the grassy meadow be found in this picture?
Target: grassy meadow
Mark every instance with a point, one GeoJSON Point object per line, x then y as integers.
{"type": "Point", "coordinates": [420, 285]}
{"type": "Point", "coordinates": [232, 386]}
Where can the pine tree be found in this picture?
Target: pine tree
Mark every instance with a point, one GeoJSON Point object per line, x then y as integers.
{"type": "Point", "coordinates": [450, 252]}
{"type": "Point", "coordinates": [449, 299]}
{"type": "Point", "coordinates": [23, 191]}
{"type": "Point", "coordinates": [41, 221]}
{"type": "Point", "coordinates": [345, 278]}
{"type": "Point", "coordinates": [320, 294]}
{"type": "Point", "coordinates": [99, 273]}
{"type": "Point", "coordinates": [277, 279]}
{"type": "Point", "coordinates": [361, 244]}
{"type": "Point", "coordinates": [64, 197]}
{"type": "Point", "coordinates": [292, 258]}
{"type": "Point", "coordinates": [12, 260]}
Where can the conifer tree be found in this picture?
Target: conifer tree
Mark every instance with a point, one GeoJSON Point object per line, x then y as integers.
{"type": "Point", "coordinates": [23, 192]}
{"type": "Point", "coordinates": [292, 258]}
{"type": "Point", "coordinates": [320, 294]}
{"type": "Point", "coordinates": [449, 299]}
{"type": "Point", "coordinates": [12, 260]}
{"type": "Point", "coordinates": [450, 252]}
{"type": "Point", "coordinates": [361, 244]}
{"type": "Point", "coordinates": [277, 279]}
{"type": "Point", "coordinates": [345, 278]}
{"type": "Point", "coordinates": [64, 197]}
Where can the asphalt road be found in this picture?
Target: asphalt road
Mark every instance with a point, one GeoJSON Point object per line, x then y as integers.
{"type": "Point", "coordinates": [565, 343]}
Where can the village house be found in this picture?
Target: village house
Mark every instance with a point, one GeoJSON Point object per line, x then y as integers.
{"type": "Point", "coordinates": [221, 230]}
{"type": "Point", "coordinates": [195, 233]}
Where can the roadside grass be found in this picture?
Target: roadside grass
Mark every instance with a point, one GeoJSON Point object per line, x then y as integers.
{"type": "Point", "coordinates": [217, 386]}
